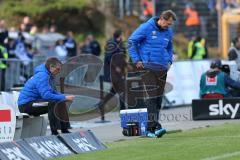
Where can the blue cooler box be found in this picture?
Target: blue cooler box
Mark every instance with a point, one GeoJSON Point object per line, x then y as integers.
{"type": "Point", "coordinates": [135, 115]}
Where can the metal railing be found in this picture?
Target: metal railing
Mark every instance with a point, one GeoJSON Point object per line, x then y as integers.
{"type": "Point", "coordinates": [16, 74]}
{"type": "Point", "coordinates": [121, 8]}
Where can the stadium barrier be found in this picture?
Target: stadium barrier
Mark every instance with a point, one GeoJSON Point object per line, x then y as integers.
{"type": "Point", "coordinates": [26, 126]}
{"type": "Point", "coordinates": [7, 123]}
{"type": "Point", "coordinates": [46, 147]}
{"type": "Point", "coordinates": [209, 109]}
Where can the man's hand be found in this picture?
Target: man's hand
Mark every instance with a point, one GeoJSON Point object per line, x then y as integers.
{"type": "Point", "coordinates": [139, 65]}
{"type": "Point", "coordinates": [118, 69]}
{"type": "Point", "coordinates": [70, 97]}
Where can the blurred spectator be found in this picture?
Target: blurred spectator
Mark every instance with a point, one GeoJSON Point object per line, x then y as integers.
{"type": "Point", "coordinates": [3, 65]}
{"type": "Point", "coordinates": [94, 45]}
{"type": "Point", "coordinates": [26, 24]}
{"type": "Point", "coordinates": [214, 83]}
{"type": "Point", "coordinates": [190, 46]}
{"type": "Point", "coordinates": [61, 50]}
{"type": "Point", "coordinates": [53, 29]}
{"type": "Point", "coordinates": [230, 4]}
{"type": "Point", "coordinates": [234, 51]}
{"type": "Point", "coordinates": [91, 46]}
{"type": "Point", "coordinates": [11, 48]}
{"type": "Point", "coordinates": [192, 21]}
{"type": "Point", "coordinates": [212, 5]}
{"type": "Point", "coordinates": [79, 47]}
{"type": "Point", "coordinates": [22, 27]}
{"type": "Point", "coordinates": [12, 29]}
{"type": "Point", "coordinates": [33, 30]}
{"type": "Point", "coordinates": [22, 53]}
{"type": "Point", "coordinates": [21, 49]}
{"type": "Point", "coordinates": [86, 48]}
{"type": "Point", "coordinates": [70, 44]}
{"type": "Point", "coordinates": [199, 49]}
{"type": "Point", "coordinates": [3, 32]}
{"type": "Point", "coordinates": [226, 4]}
{"type": "Point", "coordinates": [45, 29]}
{"type": "Point", "coordinates": [148, 9]}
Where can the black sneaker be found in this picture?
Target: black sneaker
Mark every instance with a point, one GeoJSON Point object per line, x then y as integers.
{"type": "Point", "coordinates": [66, 131]}
{"type": "Point", "coordinates": [55, 133]}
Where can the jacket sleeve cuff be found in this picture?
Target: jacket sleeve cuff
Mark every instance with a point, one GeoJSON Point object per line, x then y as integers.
{"type": "Point", "coordinates": [135, 60]}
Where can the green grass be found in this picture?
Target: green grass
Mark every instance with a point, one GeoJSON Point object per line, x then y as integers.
{"type": "Point", "coordinates": [196, 144]}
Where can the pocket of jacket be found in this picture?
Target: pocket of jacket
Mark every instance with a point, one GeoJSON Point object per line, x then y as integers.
{"type": "Point", "coordinates": [165, 42]}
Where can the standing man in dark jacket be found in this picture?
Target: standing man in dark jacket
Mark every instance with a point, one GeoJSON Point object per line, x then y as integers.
{"type": "Point", "coordinates": [151, 48]}
{"type": "Point", "coordinates": [94, 45]}
{"type": "Point", "coordinates": [114, 64]}
{"type": "Point", "coordinates": [41, 87]}
{"type": "Point", "coordinates": [70, 44]}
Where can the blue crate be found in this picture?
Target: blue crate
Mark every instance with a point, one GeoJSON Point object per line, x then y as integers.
{"type": "Point", "coordinates": [135, 115]}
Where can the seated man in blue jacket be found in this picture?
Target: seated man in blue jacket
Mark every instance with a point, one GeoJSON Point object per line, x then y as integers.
{"type": "Point", "coordinates": [215, 83]}
{"type": "Point", "coordinates": [40, 87]}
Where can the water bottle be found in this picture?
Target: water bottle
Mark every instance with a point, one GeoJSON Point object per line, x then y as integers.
{"type": "Point", "coordinates": [143, 129]}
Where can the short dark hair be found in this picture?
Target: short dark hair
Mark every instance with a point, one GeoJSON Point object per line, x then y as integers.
{"type": "Point", "coordinates": [216, 64]}
{"type": "Point", "coordinates": [117, 33]}
{"type": "Point", "coordinates": [52, 61]}
{"type": "Point", "coordinates": [168, 14]}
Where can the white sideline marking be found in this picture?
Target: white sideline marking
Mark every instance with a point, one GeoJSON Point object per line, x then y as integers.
{"type": "Point", "coordinates": [206, 137]}
{"type": "Point", "coordinates": [227, 155]}
{"type": "Point", "coordinates": [77, 125]}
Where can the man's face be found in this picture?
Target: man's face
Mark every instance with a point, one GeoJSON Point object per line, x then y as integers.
{"type": "Point", "coordinates": [55, 69]}
{"type": "Point", "coordinates": [164, 23]}
{"type": "Point", "coordinates": [120, 38]}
